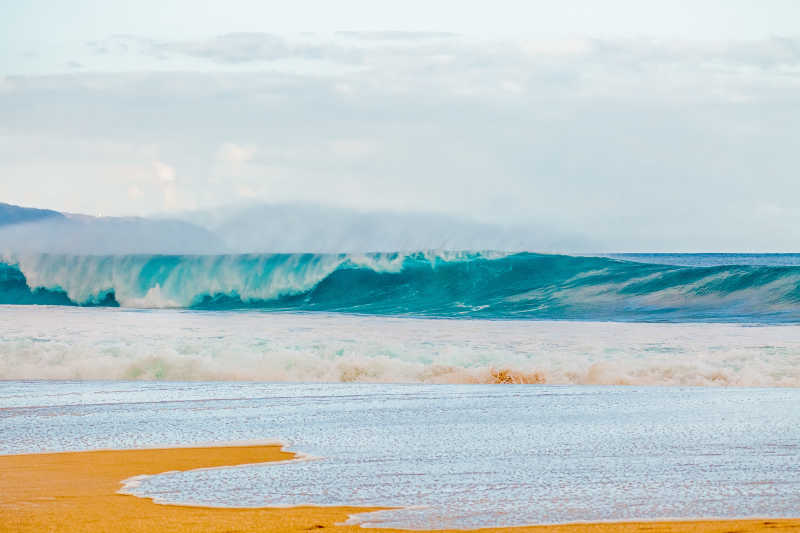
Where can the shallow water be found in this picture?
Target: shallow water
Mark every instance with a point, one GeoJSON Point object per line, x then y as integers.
{"type": "Point", "coordinates": [460, 455]}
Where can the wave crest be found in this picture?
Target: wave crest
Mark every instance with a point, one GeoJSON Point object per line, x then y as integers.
{"type": "Point", "coordinates": [439, 284]}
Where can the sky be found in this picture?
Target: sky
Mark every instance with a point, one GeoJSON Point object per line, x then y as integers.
{"type": "Point", "coordinates": [641, 126]}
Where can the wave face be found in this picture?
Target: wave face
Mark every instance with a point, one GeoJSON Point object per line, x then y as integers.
{"type": "Point", "coordinates": [427, 284]}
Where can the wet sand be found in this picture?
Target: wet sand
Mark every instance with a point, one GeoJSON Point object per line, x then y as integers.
{"type": "Point", "coordinates": [77, 492]}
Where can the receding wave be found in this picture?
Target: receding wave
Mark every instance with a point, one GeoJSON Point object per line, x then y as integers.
{"type": "Point", "coordinates": [427, 284]}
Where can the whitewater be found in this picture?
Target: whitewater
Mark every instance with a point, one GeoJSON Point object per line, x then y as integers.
{"type": "Point", "coordinates": [421, 317]}
{"type": "Point", "coordinates": [95, 343]}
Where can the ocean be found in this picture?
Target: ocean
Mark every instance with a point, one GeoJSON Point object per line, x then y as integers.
{"type": "Point", "coordinates": [468, 389]}
{"type": "Point", "coordinates": [494, 285]}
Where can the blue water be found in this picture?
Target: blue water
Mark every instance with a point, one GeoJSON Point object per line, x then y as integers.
{"type": "Point", "coordinates": [449, 455]}
{"type": "Point", "coordinates": [452, 456]}
{"type": "Point", "coordinates": [645, 287]}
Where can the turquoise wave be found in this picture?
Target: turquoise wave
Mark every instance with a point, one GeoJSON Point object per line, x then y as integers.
{"type": "Point", "coordinates": [448, 285]}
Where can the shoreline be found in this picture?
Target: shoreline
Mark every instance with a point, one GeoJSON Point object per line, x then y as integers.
{"type": "Point", "coordinates": [80, 492]}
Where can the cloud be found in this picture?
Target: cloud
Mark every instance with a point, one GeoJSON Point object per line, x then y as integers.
{"type": "Point", "coordinates": [352, 148]}
{"type": "Point", "coordinates": [381, 48]}
{"type": "Point", "coordinates": [235, 154]}
{"type": "Point", "coordinates": [134, 192]}
{"type": "Point", "coordinates": [164, 172]}
{"type": "Point", "coordinates": [171, 200]}
{"type": "Point", "coordinates": [643, 144]}
{"type": "Point", "coordinates": [396, 35]}
{"type": "Point", "coordinates": [236, 47]}
{"type": "Point", "coordinates": [80, 173]}
{"type": "Point", "coordinates": [232, 48]}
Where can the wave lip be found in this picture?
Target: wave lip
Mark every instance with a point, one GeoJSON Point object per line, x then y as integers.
{"type": "Point", "coordinates": [424, 283]}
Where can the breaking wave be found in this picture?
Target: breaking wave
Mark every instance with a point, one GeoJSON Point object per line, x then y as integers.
{"type": "Point", "coordinates": [426, 284]}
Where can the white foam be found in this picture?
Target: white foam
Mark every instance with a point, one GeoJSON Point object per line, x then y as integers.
{"type": "Point", "coordinates": [72, 343]}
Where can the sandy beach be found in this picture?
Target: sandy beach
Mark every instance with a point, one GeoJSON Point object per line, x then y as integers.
{"type": "Point", "coordinates": [77, 492]}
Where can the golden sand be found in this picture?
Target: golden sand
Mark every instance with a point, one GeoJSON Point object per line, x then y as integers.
{"type": "Point", "coordinates": [76, 492]}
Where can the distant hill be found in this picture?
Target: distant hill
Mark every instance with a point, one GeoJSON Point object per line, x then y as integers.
{"type": "Point", "coordinates": [264, 228]}
{"type": "Point", "coordinates": [268, 228]}
{"type": "Point", "coordinates": [14, 214]}
{"type": "Point", "coordinates": [24, 229]}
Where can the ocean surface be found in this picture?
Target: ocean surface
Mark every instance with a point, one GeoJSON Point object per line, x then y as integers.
{"type": "Point", "coordinates": [666, 287]}
{"type": "Point", "coordinates": [450, 455]}
{"type": "Point", "coordinates": [658, 385]}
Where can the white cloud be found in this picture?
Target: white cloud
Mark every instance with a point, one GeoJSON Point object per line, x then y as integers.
{"type": "Point", "coordinates": [512, 87]}
{"type": "Point", "coordinates": [407, 50]}
{"type": "Point", "coordinates": [134, 192]}
{"type": "Point", "coordinates": [171, 197]}
{"type": "Point", "coordinates": [246, 191]}
{"type": "Point", "coordinates": [637, 142]}
{"type": "Point", "coordinates": [235, 154]}
{"type": "Point", "coordinates": [164, 172]}
{"type": "Point", "coordinates": [351, 148]}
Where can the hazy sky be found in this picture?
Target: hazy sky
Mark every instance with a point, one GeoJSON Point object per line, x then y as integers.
{"type": "Point", "coordinates": [645, 125]}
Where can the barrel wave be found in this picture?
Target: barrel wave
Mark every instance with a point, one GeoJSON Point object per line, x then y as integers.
{"type": "Point", "coordinates": [442, 284]}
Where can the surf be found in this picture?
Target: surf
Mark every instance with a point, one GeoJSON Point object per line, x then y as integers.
{"type": "Point", "coordinates": [492, 285]}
